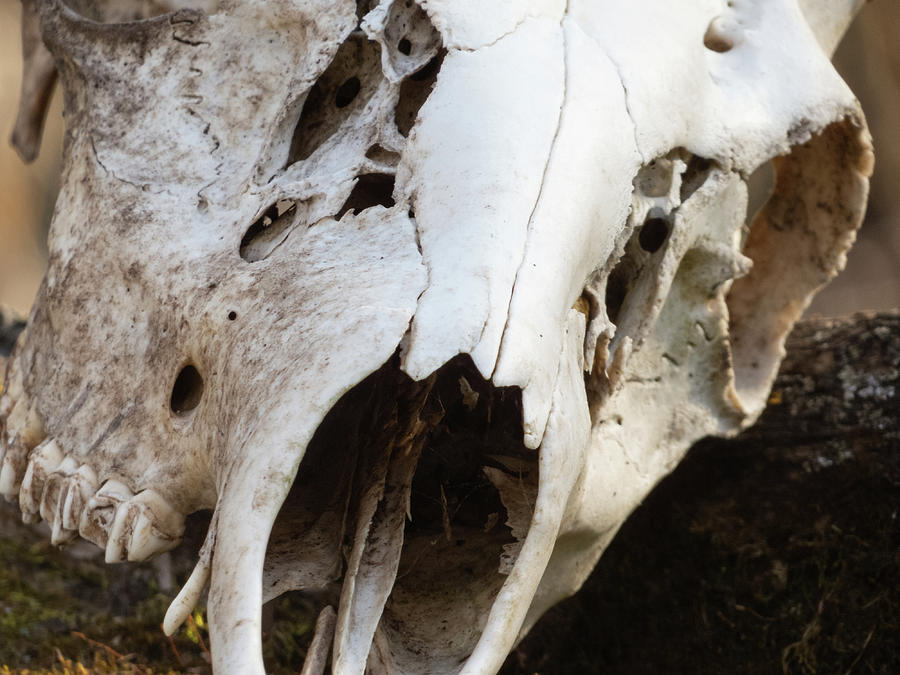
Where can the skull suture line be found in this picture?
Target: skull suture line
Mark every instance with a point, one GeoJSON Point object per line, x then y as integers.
{"type": "Point", "coordinates": [420, 298]}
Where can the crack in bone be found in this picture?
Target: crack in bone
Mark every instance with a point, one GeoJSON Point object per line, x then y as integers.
{"type": "Point", "coordinates": [540, 192]}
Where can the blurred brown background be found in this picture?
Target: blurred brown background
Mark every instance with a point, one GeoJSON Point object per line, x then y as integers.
{"type": "Point", "coordinates": [869, 59]}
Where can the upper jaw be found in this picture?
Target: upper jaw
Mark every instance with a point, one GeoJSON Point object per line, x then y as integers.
{"type": "Point", "coordinates": [282, 340]}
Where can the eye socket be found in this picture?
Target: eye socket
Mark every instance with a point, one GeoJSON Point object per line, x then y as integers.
{"type": "Point", "coordinates": [187, 390]}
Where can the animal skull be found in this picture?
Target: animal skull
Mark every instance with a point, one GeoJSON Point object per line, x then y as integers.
{"type": "Point", "coordinates": [421, 298]}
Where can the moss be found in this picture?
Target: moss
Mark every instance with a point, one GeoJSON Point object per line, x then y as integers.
{"type": "Point", "coordinates": [59, 614]}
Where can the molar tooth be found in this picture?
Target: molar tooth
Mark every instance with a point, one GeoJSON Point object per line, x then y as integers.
{"type": "Point", "coordinates": [13, 452]}
{"type": "Point", "coordinates": [58, 534]}
{"type": "Point", "coordinates": [99, 515]}
{"type": "Point", "coordinates": [44, 459]}
{"type": "Point", "coordinates": [156, 526]}
{"type": "Point", "coordinates": [79, 488]}
{"type": "Point", "coordinates": [54, 495]}
{"type": "Point", "coordinates": [119, 533]}
{"type": "Point", "coordinates": [9, 482]}
{"type": "Point", "coordinates": [23, 431]}
{"type": "Point", "coordinates": [32, 432]}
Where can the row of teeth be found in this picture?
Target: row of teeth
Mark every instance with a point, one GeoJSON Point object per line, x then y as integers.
{"type": "Point", "coordinates": [70, 498]}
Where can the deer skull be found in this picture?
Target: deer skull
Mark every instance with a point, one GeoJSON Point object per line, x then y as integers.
{"type": "Point", "coordinates": [420, 298]}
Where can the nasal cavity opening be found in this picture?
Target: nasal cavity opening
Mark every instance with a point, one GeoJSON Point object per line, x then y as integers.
{"type": "Point", "coordinates": [187, 391]}
{"type": "Point", "coordinates": [470, 501]}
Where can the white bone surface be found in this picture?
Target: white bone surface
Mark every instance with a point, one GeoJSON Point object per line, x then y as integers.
{"type": "Point", "coordinates": [421, 299]}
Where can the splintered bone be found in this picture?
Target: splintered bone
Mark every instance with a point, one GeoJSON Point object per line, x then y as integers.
{"type": "Point", "coordinates": [420, 298]}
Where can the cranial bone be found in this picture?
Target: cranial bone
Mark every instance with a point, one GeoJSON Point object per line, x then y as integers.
{"type": "Point", "coordinates": [420, 298]}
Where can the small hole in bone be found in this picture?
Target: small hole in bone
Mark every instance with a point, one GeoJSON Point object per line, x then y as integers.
{"type": "Point", "coordinates": [628, 270]}
{"type": "Point", "coordinates": [411, 37]}
{"type": "Point", "coordinates": [187, 391]}
{"type": "Point", "coordinates": [414, 91]}
{"type": "Point", "coordinates": [347, 92]}
{"type": "Point", "coordinates": [616, 290]}
{"type": "Point", "coordinates": [383, 156]}
{"type": "Point", "coordinates": [329, 103]}
{"type": "Point", "coordinates": [269, 231]}
{"type": "Point", "coordinates": [371, 189]}
{"type": "Point", "coordinates": [232, 315]}
{"type": "Point", "coordinates": [653, 234]}
{"type": "Point", "coordinates": [716, 39]}
{"type": "Point", "coordinates": [695, 175]}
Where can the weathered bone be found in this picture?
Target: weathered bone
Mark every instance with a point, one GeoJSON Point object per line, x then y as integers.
{"type": "Point", "coordinates": [420, 298]}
